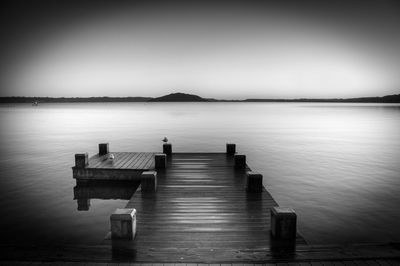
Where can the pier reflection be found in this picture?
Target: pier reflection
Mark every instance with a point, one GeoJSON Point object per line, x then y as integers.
{"type": "Point", "coordinates": [84, 192]}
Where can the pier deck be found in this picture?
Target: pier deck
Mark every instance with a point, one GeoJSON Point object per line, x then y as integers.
{"type": "Point", "coordinates": [124, 166]}
{"type": "Point", "coordinates": [201, 212]}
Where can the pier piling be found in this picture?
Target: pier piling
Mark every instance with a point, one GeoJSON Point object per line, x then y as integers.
{"type": "Point", "coordinates": [254, 182]}
{"type": "Point", "coordinates": [230, 148]}
{"type": "Point", "coordinates": [240, 161]}
{"type": "Point", "coordinates": [149, 181]}
{"type": "Point", "coordinates": [103, 148]}
{"type": "Point", "coordinates": [160, 161]}
{"type": "Point", "coordinates": [123, 224]}
{"type": "Point", "coordinates": [283, 223]}
{"type": "Point", "coordinates": [167, 148]}
{"type": "Point", "coordinates": [81, 160]}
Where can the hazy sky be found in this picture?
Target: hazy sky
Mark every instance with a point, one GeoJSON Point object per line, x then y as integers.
{"type": "Point", "coordinates": [244, 49]}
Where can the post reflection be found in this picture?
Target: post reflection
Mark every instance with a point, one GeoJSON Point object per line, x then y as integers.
{"type": "Point", "coordinates": [84, 192]}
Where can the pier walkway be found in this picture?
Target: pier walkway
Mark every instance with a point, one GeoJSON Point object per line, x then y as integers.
{"type": "Point", "coordinates": [201, 212]}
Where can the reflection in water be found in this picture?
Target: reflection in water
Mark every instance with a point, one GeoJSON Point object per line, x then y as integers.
{"type": "Point", "coordinates": [83, 193]}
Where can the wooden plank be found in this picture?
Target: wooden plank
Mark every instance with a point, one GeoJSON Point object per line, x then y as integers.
{"type": "Point", "coordinates": [132, 158]}
{"type": "Point", "coordinates": [137, 161]}
{"type": "Point", "coordinates": [120, 159]}
{"type": "Point", "coordinates": [145, 159]}
{"type": "Point", "coordinates": [150, 162]}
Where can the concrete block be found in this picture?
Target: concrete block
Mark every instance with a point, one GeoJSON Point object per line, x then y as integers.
{"type": "Point", "coordinates": [123, 224]}
{"type": "Point", "coordinates": [167, 148]}
{"type": "Point", "coordinates": [160, 161]}
{"type": "Point", "coordinates": [254, 182]}
{"type": "Point", "coordinates": [230, 148]}
{"type": "Point", "coordinates": [240, 161]}
{"type": "Point", "coordinates": [81, 160]}
{"type": "Point", "coordinates": [283, 223]}
{"type": "Point", "coordinates": [149, 181]}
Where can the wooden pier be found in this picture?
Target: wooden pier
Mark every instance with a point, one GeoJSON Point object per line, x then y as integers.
{"type": "Point", "coordinates": [201, 212]}
{"type": "Point", "coordinates": [190, 207]}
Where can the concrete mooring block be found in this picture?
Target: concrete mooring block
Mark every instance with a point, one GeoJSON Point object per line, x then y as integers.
{"type": "Point", "coordinates": [283, 223]}
{"type": "Point", "coordinates": [167, 148]}
{"type": "Point", "coordinates": [103, 148]}
{"type": "Point", "coordinates": [81, 160]}
{"type": "Point", "coordinates": [230, 148]}
{"type": "Point", "coordinates": [160, 161]}
{"type": "Point", "coordinates": [254, 182]}
{"type": "Point", "coordinates": [149, 181]}
{"type": "Point", "coordinates": [240, 161]}
{"type": "Point", "coordinates": [123, 224]}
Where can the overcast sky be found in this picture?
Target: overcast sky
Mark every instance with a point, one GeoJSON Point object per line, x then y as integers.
{"type": "Point", "coordinates": [244, 49]}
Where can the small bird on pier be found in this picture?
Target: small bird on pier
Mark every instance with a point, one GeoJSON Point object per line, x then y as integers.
{"type": "Point", "coordinates": [165, 139]}
{"type": "Point", "coordinates": [111, 156]}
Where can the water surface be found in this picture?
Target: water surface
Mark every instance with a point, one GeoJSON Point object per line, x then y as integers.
{"type": "Point", "coordinates": [336, 164]}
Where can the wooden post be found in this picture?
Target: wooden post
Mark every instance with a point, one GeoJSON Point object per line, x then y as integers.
{"type": "Point", "coordinates": [254, 182]}
{"type": "Point", "coordinates": [167, 148]}
{"type": "Point", "coordinates": [103, 149]}
{"type": "Point", "coordinates": [81, 160]}
{"type": "Point", "coordinates": [123, 224]}
{"type": "Point", "coordinates": [283, 223]}
{"type": "Point", "coordinates": [240, 161]}
{"type": "Point", "coordinates": [149, 181]}
{"type": "Point", "coordinates": [83, 204]}
{"type": "Point", "coordinates": [160, 161]}
{"type": "Point", "coordinates": [230, 148]}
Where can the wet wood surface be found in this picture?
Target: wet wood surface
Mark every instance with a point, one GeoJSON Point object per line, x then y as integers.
{"type": "Point", "coordinates": [201, 212]}
{"type": "Point", "coordinates": [123, 160]}
{"type": "Point", "coordinates": [126, 166]}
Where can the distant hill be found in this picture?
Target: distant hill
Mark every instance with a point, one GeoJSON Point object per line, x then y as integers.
{"type": "Point", "coordinates": [179, 97]}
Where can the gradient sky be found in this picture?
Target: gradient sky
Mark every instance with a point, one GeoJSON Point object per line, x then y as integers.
{"type": "Point", "coordinates": [244, 49]}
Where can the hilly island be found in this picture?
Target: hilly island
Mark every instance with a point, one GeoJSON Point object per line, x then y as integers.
{"type": "Point", "coordinates": [184, 97]}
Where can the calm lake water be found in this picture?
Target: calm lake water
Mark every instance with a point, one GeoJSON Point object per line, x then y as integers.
{"type": "Point", "coordinates": [337, 165]}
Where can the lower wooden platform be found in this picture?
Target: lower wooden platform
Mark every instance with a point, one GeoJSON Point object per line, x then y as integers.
{"type": "Point", "coordinates": [125, 166]}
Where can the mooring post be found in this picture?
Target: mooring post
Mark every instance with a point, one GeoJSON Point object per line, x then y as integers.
{"type": "Point", "coordinates": [103, 149]}
{"type": "Point", "coordinates": [123, 224]}
{"type": "Point", "coordinates": [83, 204]}
{"type": "Point", "coordinates": [160, 161]}
{"type": "Point", "coordinates": [283, 223]}
{"type": "Point", "coordinates": [167, 148]}
{"type": "Point", "coordinates": [254, 182]}
{"type": "Point", "coordinates": [81, 160]}
{"type": "Point", "coordinates": [149, 181]}
{"type": "Point", "coordinates": [230, 148]}
{"type": "Point", "coordinates": [240, 161]}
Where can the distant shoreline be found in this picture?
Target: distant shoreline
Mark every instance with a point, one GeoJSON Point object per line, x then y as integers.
{"type": "Point", "coordinates": [181, 97]}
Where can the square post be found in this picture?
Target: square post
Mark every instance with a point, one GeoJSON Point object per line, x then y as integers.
{"type": "Point", "coordinates": [123, 224]}
{"type": "Point", "coordinates": [254, 182]}
{"type": "Point", "coordinates": [149, 181]}
{"type": "Point", "coordinates": [81, 160]}
{"type": "Point", "coordinates": [103, 149]}
{"type": "Point", "coordinates": [160, 161]}
{"type": "Point", "coordinates": [83, 204]}
{"type": "Point", "coordinates": [283, 223]}
{"type": "Point", "coordinates": [230, 148]}
{"type": "Point", "coordinates": [240, 161]}
{"type": "Point", "coordinates": [167, 148]}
